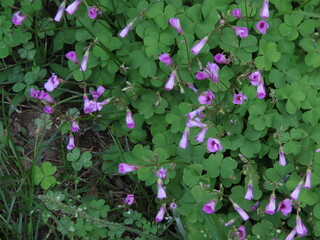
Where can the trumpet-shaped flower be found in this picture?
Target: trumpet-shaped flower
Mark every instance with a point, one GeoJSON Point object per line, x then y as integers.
{"type": "Point", "coordinates": [129, 119]}
{"type": "Point", "coordinates": [210, 72]}
{"type": "Point", "coordinates": [295, 194]}
{"type": "Point", "coordinates": [170, 82]}
{"type": "Point", "coordinates": [242, 32]}
{"type": "Point", "coordinates": [291, 234]}
{"type": "Point", "coordinates": [210, 206]}
{"type": "Point", "coordinates": [239, 98]}
{"type": "Point", "coordinates": [255, 78]}
{"type": "Point", "coordinates": [261, 90]}
{"type": "Point", "coordinates": [237, 13]}
{"type": "Point", "coordinates": [192, 87]}
{"type": "Point", "coordinates": [18, 18]}
{"type": "Point", "coordinates": [184, 140]}
{"type": "Point", "coordinates": [264, 12]}
{"type": "Point", "coordinates": [160, 214]}
{"type": "Point", "coordinates": [60, 12]}
{"type": "Point", "coordinates": [74, 126]}
{"type": "Point", "coordinates": [84, 62]}
{"type": "Point", "coordinates": [300, 227]}
{"type": "Point", "coordinates": [124, 32]}
{"type": "Point", "coordinates": [249, 194]}
{"type": "Point", "coordinates": [241, 212]}
{"type": "Point", "coordinates": [72, 56]}
{"type": "Point", "coordinates": [161, 192]}
{"type": "Point", "coordinates": [165, 58]}
{"type": "Point", "coordinates": [271, 206]}
{"type": "Point", "coordinates": [71, 143]}
{"type": "Point", "coordinates": [220, 58]}
{"type": "Point", "coordinates": [197, 48]}
{"type": "Point", "coordinates": [48, 109]}
{"type": "Point", "coordinates": [125, 168]}
{"type": "Point", "coordinates": [308, 179]}
{"type": "Point", "coordinates": [201, 135]}
{"type": "Point", "coordinates": [214, 145]}
{"type": "Point", "coordinates": [197, 112]}
{"type": "Point", "coordinates": [282, 157]}
{"type": "Point", "coordinates": [175, 23]}
{"type": "Point", "coordinates": [72, 8]}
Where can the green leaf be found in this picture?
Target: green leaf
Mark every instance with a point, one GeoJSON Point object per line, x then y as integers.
{"type": "Point", "coordinates": [191, 174]}
{"type": "Point", "coordinates": [18, 87]}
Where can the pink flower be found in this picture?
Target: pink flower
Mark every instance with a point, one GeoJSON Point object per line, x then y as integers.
{"type": "Point", "coordinates": [18, 18]}
{"type": "Point", "coordinates": [129, 199]}
{"type": "Point", "coordinates": [161, 192]}
{"type": "Point", "coordinates": [173, 205]}
{"type": "Point", "coordinates": [255, 78]}
{"type": "Point", "coordinates": [241, 233]}
{"type": "Point", "coordinates": [84, 62]}
{"type": "Point", "coordinates": [72, 56]}
{"type": "Point", "coordinates": [282, 157]}
{"type": "Point", "coordinates": [175, 23]}
{"type": "Point", "coordinates": [318, 150]}
{"type": "Point", "coordinates": [271, 206]}
{"type": "Point", "coordinates": [230, 222]}
{"type": "Point", "coordinates": [92, 12]}
{"type": "Point", "coordinates": [196, 112]}
{"type": "Point", "coordinates": [308, 179]}
{"type": "Point", "coordinates": [237, 13]}
{"type": "Point", "coordinates": [241, 212]}
{"type": "Point", "coordinates": [285, 207]}
{"type": "Point", "coordinates": [242, 32]}
{"type": "Point", "coordinates": [197, 48]}
{"type": "Point", "coordinates": [129, 119]}
{"type": "Point", "coordinates": [170, 82]}
{"type": "Point", "coordinates": [249, 194]}
{"type": "Point", "coordinates": [126, 30]}
{"type": "Point", "coordinates": [125, 168]}
{"type": "Point", "coordinates": [214, 145]}
{"type": "Point", "coordinates": [201, 135]}
{"type": "Point", "coordinates": [206, 97]}
{"type": "Point", "coordinates": [184, 140]}
{"type": "Point", "coordinates": [160, 214]}
{"type": "Point", "coordinates": [262, 26]}
{"type": "Point", "coordinates": [239, 98]}
{"type": "Point", "coordinates": [210, 72]}
{"type": "Point", "coordinates": [72, 8]}
{"type": "Point", "coordinates": [104, 102]}
{"type": "Point", "coordinates": [194, 123]}
{"type": "Point", "coordinates": [191, 86]}
{"type": "Point", "coordinates": [220, 58]}
{"type": "Point", "coordinates": [264, 13]}
{"type": "Point", "coordinates": [300, 227]}
{"type": "Point", "coordinates": [71, 143]}
{"type": "Point", "coordinates": [261, 90]}
{"type": "Point", "coordinates": [46, 97]}
{"type": "Point", "coordinates": [165, 58]}
{"type": "Point", "coordinates": [52, 83]}
{"type": "Point", "coordinates": [74, 126]}
{"type": "Point", "coordinates": [98, 93]}
{"type": "Point", "coordinates": [291, 234]}
{"type": "Point", "coordinates": [34, 93]}
{"type": "Point", "coordinates": [210, 206]}
{"type": "Point", "coordinates": [48, 109]}
{"type": "Point", "coordinates": [295, 194]}
{"type": "Point", "coordinates": [162, 173]}
{"type": "Point", "coordinates": [60, 12]}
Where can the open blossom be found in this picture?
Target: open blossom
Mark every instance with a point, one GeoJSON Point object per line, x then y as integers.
{"type": "Point", "coordinates": [60, 12]}
{"type": "Point", "coordinates": [255, 78]}
{"type": "Point", "coordinates": [52, 83]}
{"type": "Point", "coordinates": [124, 32]}
{"type": "Point", "coordinates": [41, 95]}
{"type": "Point", "coordinates": [264, 12]}
{"type": "Point", "coordinates": [170, 82]}
{"type": "Point", "coordinates": [271, 206]}
{"type": "Point", "coordinates": [210, 206]}
{"type": "Point", "coordinates": [129, 199]}
{"type": "Point", "coordinates": [125, 168]}
{"type": "Point", "coordinates": [220, 58]}
{"type": "Point", "coordinates": [300, 227]}
{"type": "Point", "coordinates": [261, 90]}
{"type": "Point", "coordinates": [197, 112]}
{"type": "Point", "coordinates": [98, 93]}
{"type": "Point", "coordinates": [210, 72]}
{"type": "Point", "coordinates": [18, 18]}
{"type": "Point", "coordinates": [72, 8]}
{"type": "Point", "coordinates": [249, 194]}
{"type": "Point", "coordinates": [242, 32]}
{"type": "Point", "coordinates": [214, 145]}
{"type": "Point", "coordinates": [92, 12]}
{"type": "Point", "coordinates": [241, 212]}
{"type": "Point", "coordinates": [173, 205]}
{"type": "Point", "coordinates": [162, 173]}
{"type": "Point", "coordinates": [84, 62]}
{"type": "Point", "coordinates": [197, 48]}
{"type": "Point", "coordinates": [239, 98]}
{"type": "Point", "coordinates": [237, 13]}
{"type": "Point", "coordinates": [72, 56]}
{"type": "Point", "coordinates": [241, 233]}
{"type": "Point", "coordinates": [206, 97]}
{"type": "Point", "coordinates": [184, 140]}
{"type": "Point", "coordinates": [129, 119]}
{"type": "Point", "coordinates": [74, 126]}
{"type": "Point", "coordinates": [160, 214]}
{"type": "Point", "coordinates": [201, 135]}
{"type": "Point", "coordinates": [194, 123]}
{"type": "Point", "coordinates": [165, 58]}
{"type": "Point", "coordinates": [161, 192]}
{"type": "Point", "coordinates": [291, 234]}
{"type": "Point", "coordinates": [295, 194]}
{"type": "Point", "coordinates": [282, 157]}
{"type": "Point", "coordinates": [262, 26]}
{"type": "Point", "coordinates": [285, 207]}
{"type": "Point", "coordinates": [71, 143]}
{"type": "Point", "coordinates": [175, 23]}
{"type": "Point", "coordinates": [192, 87]}
{"type": "Point", "coordinates": [308, 179]}
{"type": "Point", "coordinates": [48, 109]}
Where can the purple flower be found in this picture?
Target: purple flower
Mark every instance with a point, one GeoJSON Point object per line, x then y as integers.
{"type": "Point", "coordinates": [126, 30]}
{"type": "Point", "coordinates": [165, 58]}
{"type": "Point", "coordinates": [201, 135]}
{"type": "Point", "coordinates": [318, 150]}
{"type": "Point", "coordinates": [129, 199]}
{"type": "Point", "coordinates": [184, 140]}
{"type": "Point", "coordinates": [170, 82]}
{"type": "Point", "coordinates": [98, 93]}
{"type": "Point", "coordinates": [18, 18]}
{"type": "Point", "coordinates": [72, 56]}
{"type": "Point", "coordinates": [92, 12]}
{"type": "Point", "coordinates": [73, 7]}
{"type": "Point", "coordinates": [237, 13]}
{"type": "Point", "coordinates": [160, 214]}
{"type": "Point", "coordinates": [125, 168]}
{"type": "Point", "coordinates": [300, 227]}
{"type": "Point", "coordinates": [129, 119]}
{"type": "Point", "coordinates": [271, 206]}
{"type": "Point", "coordinates": [242, 32]}
{"type": "Point", "coordinates": [214, 145]}
{"type": "Point", "coordinates": [220, 58]}
{"type": "Point", "coordinates": [210, 206]}
{"type": "Point", "coordinates": [285, 207]}
{"type": "Point", "coordinates": [210, 72]}
{"type": "Point", "coordinates": [254, 206]}
{"type": "Point", "coordinates": [101, 104]}
{"type": "Point", "coordinates": [34, 93]}
{"type": "Point", "coordinates": [239, 98]}
{"type": "Point", "coordinates": [162, 173]}
{"type": "Point", "coordinates": [291, 234]}
{"type": "Point", "coordinates": [255, 78]}
{"type": "Point", "coordinates": [46, 97]}
{"type": "Point", "coordinates": [261, 90]}
{"type": "Point", "coordinates": [74, 126]}
{"type": "Point", "coordinates": [173, 205]}
{"type": "Point", "coordinates": [175, 23]}
{"type": "Point", "coordinates": [308, 179]}
{"type": "Point", "coordinates": [197, 48]}
{"type": "Point", "coordinates": [60, 12]}
{"type": "Point", "coordinates": [71, 143]}
{"type": "Point", "coordinates": [241, 212]}
{"type": "Point", "coordinates": [241, 233]}
{"type": "Point", "coordinates": [295, 194]}
{"type": "Point", "coordinates": [262, 26]}
{"type": "Point", "coordinates": [191, 86]}
{"type": "Point", "coordinates": [196, 112]}
{"type": "Point", "coordinates": [52, 83]}
{"type": "Point", "coordinates": [194, 123]}
{"type": "Point", "coordinates": [84, 62]}
{"type": "Point", "coordinates": [230, 222]}
{"type": "Point", "coordinates": [206, 97]}
{"type": "Point", "coordinates": [264, 13]}
{"type": "Point", "coordinates": [249, 194]}
{"type": "Point", "coordinates": [48, 109]}
{"type": "Point", "coordinates": [161, 192]}
{"type": "Point", "coordinates": [282, 157]}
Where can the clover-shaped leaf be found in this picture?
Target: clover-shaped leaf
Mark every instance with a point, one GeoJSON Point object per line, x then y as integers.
{"type": "Point", "coordinates": [43, 175]}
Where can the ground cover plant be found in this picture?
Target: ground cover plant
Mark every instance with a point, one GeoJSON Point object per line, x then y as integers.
{"type": "Point", "coordinates": [168, 119]}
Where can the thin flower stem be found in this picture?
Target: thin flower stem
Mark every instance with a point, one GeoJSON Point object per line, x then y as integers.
{"type": "Point", "coordinates": [187, 49]}
{"type": "Point", "coordinates": [246, 9]}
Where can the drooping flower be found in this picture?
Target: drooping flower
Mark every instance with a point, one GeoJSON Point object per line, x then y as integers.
{"type": "Point", "coordinates": [52, 83]}
{"type": "Point", "coordinates": [264, 12]}
{"type": "Point", "coordinates": [71, 143]}
{"type": "Point", "coordinates": [98, 93]}
{"type": "Point", "coordinates": [210, 206]}
{"type": "Point", "coordinates": [230, 222]}
{"type": "Point", "coordinates": [125, 168]}
{"type": "Point", "coordinates": [46, 97]}
{"type": "Point", "coordinates": [271, 206]}
{"type": "Point", "coordinates": [210, 72]}
{"type": "Point", "coordinates": [165, 58]}
{"type": "Point", "coordinates": [160, 214]}
{"type": "Point", "coordinates": [84, 62]}
{"type": "Point", "coordinates": [192, 87]}
{"type": "Point", "coordinates": [285, 207]}
{"type": "Point", "coordinates": [214, 145]}
{"type": "Point", "coordinates": [197, 48]}
{"type": "Point", "coordinates": [196, 112]}
{"type": "Point", "coordinates": [129, 199]}
{"type": "Point", "coordinates": [220, 58]}
{"type": "Point", "coordinates": [60, 12]}
{"type": "Point", "coordinates": [18, 18]}
{"type": "Point", "coordinates": [74, 126]}
{"type": "Point", "coordinates": [242, 32]}
{"type": "Point", "coordinates": [255, 78]}
{"type": "Point", "coordinates": [72, 56]}
{"type": "Point", "coordinates": [308, 179]}
{"type": "Point", "coordinates": [129, 119]}
{"type": "Point", "coordinates": [241, 212]}
{"type": "Point", "coordinates": [300, 227]}
{"type": "Point", "coordinates": [241, 233]}
{"type": "Point", "coordinates": [318, 150]}
{"type": "Point", "coordinates": [170, 82]}
{"type": "Point", "coordinates": [194, 123]}
{"type": "Point", "coordinates": [48, 109]}
{"type": "Point", "coordinates": [72, 8]}
{"type": "Point", "coordinates": [249, 194]}
{"type": "Point", "coordinates": [262, 26]}
{"type": "Point", "coordinates": [295, 194]}
{"type": "Point", "coordinates": [261, 90]}
{"type": "Point", "coordinates": [124, 32]}
{"type": "Point", "coordinates": [162, 173]}
{"type": "Point", "coordinates": [237, 13]}
{"type": "Point", "coordinates": [282, 157]}
{"type": "Point", "coordinates": [201, 135]}
{"type": "Point", "coordinates": [254, 206]}
{"type": "Point", "coordinates": [206, 97]}
{"type": "Point", "coordinates": [184, 140]}
{"type": "Point", "coordinates": [161, 192]}
{"type": "Point", "coordinates": [175, 23]}
{"type": "Point", "coordinates": [291, 234]}
{"type": "Point", "coordinates": [239, 98]}
{"type": "Point", "coordinates": [92, 12]}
